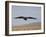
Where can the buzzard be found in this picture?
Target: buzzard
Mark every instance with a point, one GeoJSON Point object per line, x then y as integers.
{"type": "Point", "coordinates": [25, 18]}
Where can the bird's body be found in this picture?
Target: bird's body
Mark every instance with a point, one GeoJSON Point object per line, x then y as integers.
{"type": "Point", "coordinates": [25, 18]}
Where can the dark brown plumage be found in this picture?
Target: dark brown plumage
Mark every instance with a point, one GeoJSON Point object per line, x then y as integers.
{"type": "Point", "coordinates": [25, 18]}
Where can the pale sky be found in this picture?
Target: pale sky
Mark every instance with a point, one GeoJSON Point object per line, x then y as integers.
{"type": "Point", "coordinates": [26, 11]}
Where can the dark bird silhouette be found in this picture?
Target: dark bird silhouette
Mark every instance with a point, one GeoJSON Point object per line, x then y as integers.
{"type": "Point", "coordinates": [25, 18]}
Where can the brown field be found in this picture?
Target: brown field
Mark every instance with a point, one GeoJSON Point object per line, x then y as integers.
{"type": "Point", "coordinates": [33, 26]}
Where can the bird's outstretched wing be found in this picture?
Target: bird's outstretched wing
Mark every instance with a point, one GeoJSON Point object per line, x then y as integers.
{"type": "Point", "coordinates": [21, 17]}
{"type": "Point", "coordinates": [31, 18]}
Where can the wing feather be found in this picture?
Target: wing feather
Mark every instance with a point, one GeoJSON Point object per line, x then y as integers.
{"type": "Point", "coordinates": [19, 17]}
{"type": "Point", "coordinates": [31, 18]}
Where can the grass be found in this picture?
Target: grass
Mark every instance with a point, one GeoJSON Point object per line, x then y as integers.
{"type": "Point", "coordinates": [31, 26]}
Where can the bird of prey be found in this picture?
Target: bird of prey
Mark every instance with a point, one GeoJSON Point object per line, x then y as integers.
{"type": "Point", "coordinates": [25, 18]}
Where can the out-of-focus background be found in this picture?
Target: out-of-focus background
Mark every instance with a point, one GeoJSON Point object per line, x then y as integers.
{"type": "Point", "coordinates": [26, 11]}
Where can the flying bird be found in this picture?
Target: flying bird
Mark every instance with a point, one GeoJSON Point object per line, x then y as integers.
{"type": "Point", "coordinates": [25, 18]}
